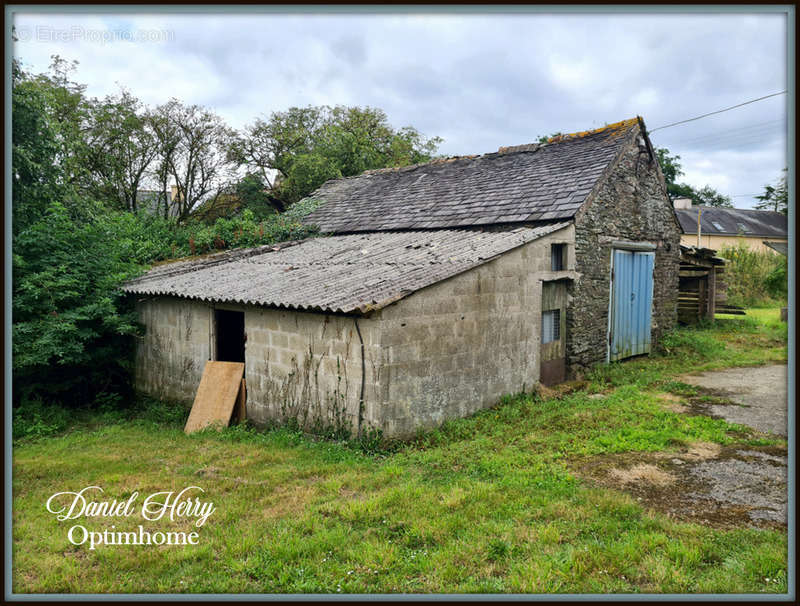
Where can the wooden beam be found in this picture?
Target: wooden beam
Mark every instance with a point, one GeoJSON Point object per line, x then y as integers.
{"type": "Point", "coordinates": [712, 294]}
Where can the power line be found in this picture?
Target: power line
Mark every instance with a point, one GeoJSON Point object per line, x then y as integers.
{"type": "Point", "coordinates": [719, 111]}
{"type": "Point", "coordinates": [744, 131]}
{"type": "Point", "coordinates": [764, 138]}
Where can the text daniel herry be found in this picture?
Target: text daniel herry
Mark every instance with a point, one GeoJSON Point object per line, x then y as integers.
{"type": "Point", "coordinates": [168, 505]}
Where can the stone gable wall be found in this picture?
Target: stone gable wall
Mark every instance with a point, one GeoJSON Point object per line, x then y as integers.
{"type": "Point", "coordinates": [630, 204]}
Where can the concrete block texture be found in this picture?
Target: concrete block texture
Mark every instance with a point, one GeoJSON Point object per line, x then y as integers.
{"type": "Point", "coordinates": [443, 352]}
{"type": "Point", "coordinates": [473, 338]}
{"type": "Point", "coordinates": [171, 355]}
{"type": "Point", "coordinates": [310, 370]}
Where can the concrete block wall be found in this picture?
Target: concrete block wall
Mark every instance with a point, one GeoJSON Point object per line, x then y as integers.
{"type": "Point", "coordinates": [630, 204]}
{"type": "Point", "coordinates": [458, 346]}
{"type": "Point", "coordinates": [307, 367]}
{"type": "Point", "coordinates": [170, 357]}
{"type": "Point", "coordinates": [442, 353]}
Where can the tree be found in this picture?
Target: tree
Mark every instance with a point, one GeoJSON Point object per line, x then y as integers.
{"type": "Point", "coordinates": [775, 198]}
{"type": "Point", "coordinates": [671, 169]}
{"type": "Point", "coordinates": [708, 196]}
{"type": "Point", "coordinates": [296, 151]}
{"type": "Point", "coordinates": [36, 176]}
{"type": "Point", "coordinates": [69, 329]}
{"type": "Point", "coordinates": [252, 193]}
{"type": "Point", "coordinates": [48, 144]}
{"type": "Point", "coordinates": [193, 153]}
{"type": "Point", "coordinates": [122, 147]}
{"type": "Point", "coordinates": [67, 109]}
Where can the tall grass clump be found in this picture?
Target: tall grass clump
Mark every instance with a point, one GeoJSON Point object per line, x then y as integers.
{"type": "Point", "coordinates": [755, 278]}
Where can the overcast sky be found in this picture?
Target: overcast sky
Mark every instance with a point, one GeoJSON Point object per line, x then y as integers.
{"type": "Point", "coordinates": [479, 81]}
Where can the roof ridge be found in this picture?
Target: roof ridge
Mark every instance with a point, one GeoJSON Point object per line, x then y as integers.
{"type": "Point", "coordinates": [585, 133]}
{"type": "Point", "coordinates": [502, 150]}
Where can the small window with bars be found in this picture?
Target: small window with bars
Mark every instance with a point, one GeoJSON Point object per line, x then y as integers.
{"type": "Point", "coordinates": [558, 257]}
{"type": "Point", "coordinates": [551, 325]}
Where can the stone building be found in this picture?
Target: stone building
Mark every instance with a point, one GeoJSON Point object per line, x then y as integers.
{"type": "Point", "coordinates": [437, 289]}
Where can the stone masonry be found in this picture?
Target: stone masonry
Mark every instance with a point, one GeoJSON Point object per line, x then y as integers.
{"type": "Point", "coordinates": [631, 204]}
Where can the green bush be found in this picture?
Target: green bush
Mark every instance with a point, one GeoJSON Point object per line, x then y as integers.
{"type": "Point", "coordinates": [158, 239]}
{"type": "Point", "coordinates": [72, 325]}
{"type": "Point", "coordinates": [34, 419]}
{"type": "Point", "coordinates": [754, 278]}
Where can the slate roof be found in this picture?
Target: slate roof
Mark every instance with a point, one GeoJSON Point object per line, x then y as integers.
{"type": "Point", "coordinates": [733, 221]}
{"type": "Point", "coordinates": [353, 273]}
{"type": "Point", "coordinates": [516, 184]}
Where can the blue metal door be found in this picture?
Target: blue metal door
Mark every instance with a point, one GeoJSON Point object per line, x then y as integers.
{"type": "Point", "coordinates": [631, 303]}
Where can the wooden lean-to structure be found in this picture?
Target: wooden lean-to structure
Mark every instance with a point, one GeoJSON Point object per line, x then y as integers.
{"type": "Point", "coordinates": [703, 292]}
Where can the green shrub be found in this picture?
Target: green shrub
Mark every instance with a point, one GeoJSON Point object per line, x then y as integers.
{"type": "Point", "coordinates": [754, 278]}
{"type": "Point", "coordinates": [71, 325]}
{"type": "Point", "coordinates": [36, 419]}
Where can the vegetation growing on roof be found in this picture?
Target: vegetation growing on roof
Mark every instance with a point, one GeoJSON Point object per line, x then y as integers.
{"type": "Point", "coordinates": [616, 126]}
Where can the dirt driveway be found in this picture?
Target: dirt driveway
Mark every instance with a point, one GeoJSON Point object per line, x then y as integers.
{"type": "Point", "coordinates": [729, 486]}
{"type": "Point", "coordinates": [759, 395]}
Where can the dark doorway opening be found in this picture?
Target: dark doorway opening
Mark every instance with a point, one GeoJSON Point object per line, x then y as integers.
{"type": "Point", "coordinates": [230, 335]}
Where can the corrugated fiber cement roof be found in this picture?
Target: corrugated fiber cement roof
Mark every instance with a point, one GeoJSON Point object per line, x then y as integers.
{"type": "Point", "coordinates": [353, 273]}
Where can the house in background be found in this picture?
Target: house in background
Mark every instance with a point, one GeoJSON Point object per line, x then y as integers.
{"type": "Point", "coordinates": [153, 200]}
{"type": "Point", "coordinates": [730, 226]}
{"type": "Point", "coordinates": [438, 288]}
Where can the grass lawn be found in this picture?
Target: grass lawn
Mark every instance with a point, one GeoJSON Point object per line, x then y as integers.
{"type": "Point", "coordinates": [485, 504]}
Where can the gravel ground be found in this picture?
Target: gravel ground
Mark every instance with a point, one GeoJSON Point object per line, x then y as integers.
{"type": "Point", "coordinates": [731, 486]}
{"type": "Point", "coordinates": [761, 392]}
{"type": "Point", "coordinates": [750, 478]}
